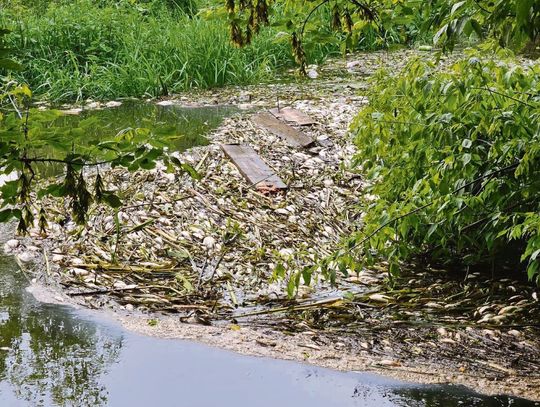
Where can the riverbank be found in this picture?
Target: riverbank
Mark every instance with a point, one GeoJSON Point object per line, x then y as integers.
{"type": "Point", "coordinates": [183, 254]}
{"type": "Point", "coordinates": [119, 49]}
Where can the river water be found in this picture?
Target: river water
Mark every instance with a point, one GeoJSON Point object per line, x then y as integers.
{"type": "Point", "coordinates": [175, 127]}
{"type": "Point", "coordinates": [53, 355]}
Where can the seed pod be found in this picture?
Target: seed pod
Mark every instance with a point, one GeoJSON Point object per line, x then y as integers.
{"type": "Point", "coordinates": [24, 192]}
{"type": "Point", "coordinates": [98, 192]}
{"type": "Point", "coordinates": [252, 21]}
{"type": "Point", "coordinates": [236, 34]}
{"type": "Point", "coordinates": [262, 12]}
{"type": "Point", "coordinates": [336, 19]}
{"type": "Point", "coordinates": [366, 13]}
{"type": "Point", "coordinates": [42, 223]}
{"type": "Point", "coordinates": [81, 202]}
{"type": "Point", "coordinates": [21, 227]}
{"type": "Point", "coordinates": [28, 215]}
{"type": "Point", "coordinates": [69, 181]}
{"type": "Point", "coordinates": [347, 21]}
{"type": "Point", "coordinates": [26, 220]}
{"type": "Point", "coordinates": [298, 53]}
{"type": "Point", "coordinates": [248, 35]}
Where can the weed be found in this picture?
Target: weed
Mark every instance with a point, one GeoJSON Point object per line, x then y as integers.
{"type": "Point", "coordinates": [78, 50]}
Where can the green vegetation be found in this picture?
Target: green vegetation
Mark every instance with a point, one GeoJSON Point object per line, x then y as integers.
{"type": "Point", "coordinates": [352, 25]}
{"type": "Point", "coordinates": [455, 160]}
{"type": "Point", "coordinates": [77, 50]}
{"type": "Point", "coordinates": [454, 155]}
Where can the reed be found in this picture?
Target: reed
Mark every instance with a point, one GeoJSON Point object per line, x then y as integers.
{"type": "Point", "coordinates": [76, 50]}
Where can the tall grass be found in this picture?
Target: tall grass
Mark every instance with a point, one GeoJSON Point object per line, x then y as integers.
{"type": "Point", "coordinates": [77, 50]}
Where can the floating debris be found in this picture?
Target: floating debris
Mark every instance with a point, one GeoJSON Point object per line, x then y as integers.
{"type": "Point", "coordinates": [212, 246]}
{"type": "Point", "coordinates": [256, 171]}
{"type": "Point", "coordinates": [292, 136]}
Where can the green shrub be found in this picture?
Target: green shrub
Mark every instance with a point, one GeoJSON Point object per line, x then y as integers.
{"type": "Point", "coordinates": [454, 157]}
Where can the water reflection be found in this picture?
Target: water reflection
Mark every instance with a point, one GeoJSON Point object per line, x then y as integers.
{"type": "Point", "coordinates": [187, 125]}
{"type": "Point", "coordinates": [175, 127]}
{"type": "Point", "coordinates": [452, 396]}
{"type": "Point", "coordinates": [48, 358]}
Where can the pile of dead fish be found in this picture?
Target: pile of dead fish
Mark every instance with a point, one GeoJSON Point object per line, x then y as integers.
{"type": "Point", "coordinates": [213, 245]}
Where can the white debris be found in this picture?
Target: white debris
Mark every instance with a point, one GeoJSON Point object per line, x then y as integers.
{"type": "Point", "coordinates": [10, 245]}
{"type": "Point", "coordinates": [312, 74]}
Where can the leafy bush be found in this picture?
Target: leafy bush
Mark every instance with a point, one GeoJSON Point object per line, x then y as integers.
{"type": "Point", "coordinates": [454, 157]}
{"type": "Point", "coordinates": [511, 22]}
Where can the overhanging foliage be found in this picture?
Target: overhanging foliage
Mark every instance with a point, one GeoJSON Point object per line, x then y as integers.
{"type": "Point", "coordinates": [455, 161]}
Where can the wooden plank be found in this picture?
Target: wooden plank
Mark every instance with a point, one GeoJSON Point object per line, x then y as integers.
{"type": "Point", "coordinates": [252, 167]}
{"type": "Point", "coordinates": [293, 115]}
{"type": "Point", "coordinates": [292, 136]}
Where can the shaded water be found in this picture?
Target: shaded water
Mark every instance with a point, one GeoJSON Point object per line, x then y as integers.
{"type": "Point", "coordinates": [188, 125]}
{"type": "Point", "coordinates": [53, 355]}
{"type": "Point", "coordinates": [175, 127]}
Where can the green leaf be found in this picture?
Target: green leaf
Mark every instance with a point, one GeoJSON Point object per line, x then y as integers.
{"type": "Point", "coordinates": [477, 28]}
{"type": "Point", "coordinates": [112, 200]}
{"type": "Point", "coordinates": [431, 230]}
{"type": "Point", "coordinates": [6, 215]}
{"type": "Point", "coordinates": [10, 189]}
{"type": "Point", "coordinates": [291, 287]}
{"type": "Point", "coordinates": [439, 34]}
{"type": "Point", "coordinates": [306, 275]}
{"type": "Point", "coordinates": [523, 11]}
{"type": "Point", "coordinates": [456, 7]}
{"type": "Point", "coordinates": [180, 255]}
{"type": "Point", "coordinates": [191, 171]}
{"type": "Point", "coordinates": [56, 190]}
{"type": "Point", "coordinates": [186, 167]}
{"type": "Point", "coordinates": [279, 272]}
{"type": "Point", "coordinates": [532, 270]}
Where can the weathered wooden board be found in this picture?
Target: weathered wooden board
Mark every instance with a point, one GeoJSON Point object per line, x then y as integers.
{"type": "Point", "coordinates": [292, 136]}
{"type": "Point", "coordinates": [293, 115]}
{"type": "Point", "coordinates": [252, 167]}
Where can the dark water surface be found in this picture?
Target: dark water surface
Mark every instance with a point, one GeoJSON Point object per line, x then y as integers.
{"type": "Point", "coordinates": [186, 125]}
{"type": "Point", "coordinates": [175, 127]}
{"type": "Point", "coordinates": [54, 355]}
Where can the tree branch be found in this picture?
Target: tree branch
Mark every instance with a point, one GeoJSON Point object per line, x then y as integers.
{"type": "Point", "coordinates": [57, 160]}
{"type": "Point", "coordinates": [322, 3]}
{"type": "Point", "coordinates": [507, 96]}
